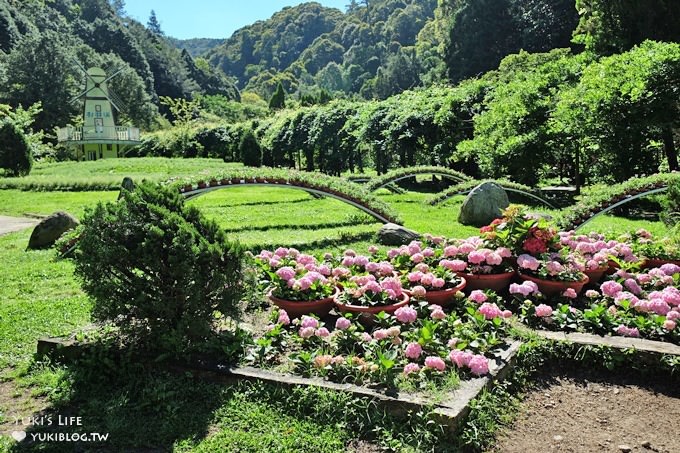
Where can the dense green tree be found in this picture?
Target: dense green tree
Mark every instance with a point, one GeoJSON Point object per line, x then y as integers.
{"type": "Point", "coordinates": [15, 152]}
{"type": "Point", "coordinates": [481, 33]}
{"type": "Point", "coordinates": [278, 99]}
{"type": "Point", "coordinates": [153, 25]}
{"type": "Point", "coordinates": [250, 150]}
{"type": "Point", "coordinates": [41, 68]}
{"type": "Point", "coordinates": [608, 27]}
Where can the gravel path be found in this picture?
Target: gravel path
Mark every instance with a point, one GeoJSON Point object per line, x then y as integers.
{"type": "Point", "coordinates": [12, 224]}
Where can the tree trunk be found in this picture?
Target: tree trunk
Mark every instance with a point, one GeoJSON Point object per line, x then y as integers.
{"type": "Point", "coordinates": [669, 148]}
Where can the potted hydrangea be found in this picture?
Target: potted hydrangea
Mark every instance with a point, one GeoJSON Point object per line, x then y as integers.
{"type": "Point", "coordinates": [521, 232]}
{"type": "Point", "coordinates": [480, 264]}
{"type": "Point", "coordinates": [438, 284]}
{"type": "Point", "coordinates": [297, 283]}
{"type": "Point", "coordinates": [366, 296]}
{"type": "Point", "coordinates": [553, 273]}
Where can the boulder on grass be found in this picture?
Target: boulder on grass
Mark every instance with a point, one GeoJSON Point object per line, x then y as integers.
{"type": "Point", "coordinates": [393, 234]}
{"type": "Point", "coordinates": [483, 205]}
{"type": "Point", "coordinates": [50, 229]}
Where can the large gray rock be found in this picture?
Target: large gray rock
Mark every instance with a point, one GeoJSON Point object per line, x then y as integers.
{"type": "Point", "coordinates": [483, 205]}
{"type": "Point", "coordinates": [393, 234]}
{"type": "Point", "coordinates": [50, 229]}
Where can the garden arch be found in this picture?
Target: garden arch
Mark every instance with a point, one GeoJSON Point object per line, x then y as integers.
{"type": "Point", "coordinates": [439, 198]}
{"type": "Point", "coordinates": [195, 191]}
{"type": "Point", "coordinates": [405, 173]}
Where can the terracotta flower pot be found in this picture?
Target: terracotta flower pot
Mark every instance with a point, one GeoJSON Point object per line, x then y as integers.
{"type": "Point", "coordinates": [596, 275]}
{"type": "Point", "coordinates": [366, 315]}
{"type": "Point", "coordinates": [552, 287]}
{"type": "Point", "coordinates": [202, 185]}
{"type": "Point", "coordinates": [296, 308]}
{"type": "Point", "coordinates": [650, 263]}
{"type": "Point", "coordinates": [187, 188]}
{"type": "Point", "coordinates": [213, 183]}
{"type": "Point", "coordinates": [443, 297]}
{"type": "Point", "coordinates": [613, 267]}
{"type": "Point", "coordinates": [495, 282]}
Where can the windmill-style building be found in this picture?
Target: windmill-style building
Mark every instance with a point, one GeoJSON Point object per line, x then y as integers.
{"type": "Point", "coordinates": [98, 137]}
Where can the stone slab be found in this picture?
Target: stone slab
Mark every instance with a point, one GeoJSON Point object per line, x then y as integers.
{"type": "Point", "coordinates": [649, 346]}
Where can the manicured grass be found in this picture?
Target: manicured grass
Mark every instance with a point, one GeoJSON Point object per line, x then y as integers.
{"type": "Point", "coordinates": [39, 296]}
{"type": "Point", "coordinates": [18, 203]}
{"type": "Point", "coordinates": [109, 173]}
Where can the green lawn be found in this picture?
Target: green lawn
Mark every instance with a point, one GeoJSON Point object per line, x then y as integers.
{"type": "Point", "coordinates": [109, 173]}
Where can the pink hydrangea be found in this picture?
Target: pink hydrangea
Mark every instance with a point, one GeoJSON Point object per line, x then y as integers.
{"type": "Point", "coordinates": [438, 314]}
{"type": "Point", "coordinates": [525, 289]}
{"type": "Point", "coordinates": [479, 365]}
{"type": "Point", "coordinates": [411, 368]}
{"type": "Point", "coordinates": [673, 315]}
{"type": "Point", "coordinates": [428, 252]}
{"type": "Point", "coordinates": [450, 250]}
{"type": "Point", "coordinates": [438, 282]}
{"type": "Point", "coordinates": [544, 311]}
{"type": "Point", "coordinates": [476, 257]}
{"type": "Point", "coordinates": [460, 358]}
{"type": "Point", "coordinates": [528, 262]}
{"type": "Point", "coordinates": [283, 318]}
{"type": "Point", "coordinates": [569, 293]}
{"type": "Point", "coordinates": [343, 324]}
{"type": "Point", "coordinates": [435, 363]}
{"type": "Point", "coordinates": [611, 288]}
{"type": "Point", "coordinates": [490, 311]}
{"type": "Point", "coordinates": [671, 296]}
{"type": "Point", "coordinates": [406, 314]}
{"type": "Point", "coordinates": [417, 258]}
{"type": "Point", "coordinates": [322, 332]}
{"type": "Point", "coordinates": [373, 249]}
{"type": "Point", "coordinates": [670, 269]}
{"type": "Point", "coordinates": [592, 294]}
{"type": "Point", "coordinates": [628, 331]}
{"type": "Point", "coordinates": [308, 321]}
{"type": "Point", "coordinates": [554, 268]}
{"type": "Point", "coordinates": [507, 314]}
{"type": "Point", "coordinates": [454, 265]}
{"type": "Point", "coordinates": [322, 361]}
{"type": "Point", "coordinates": [381, 334]}
{"type": "Point", "coordinates": [669, 324]}
{"type": "Point", "coordinates": [452, 343]}
{"type": "Point", "coordinates": [286, 273]}
{"type": "Point", "coordinates": [427, 279]}
{"type": "Point", "coordinates": [413, 351]}
{"type": "Point", "coordinates": [418, 291]}
{"type": "Point", "coordinates": [394, 331]}
{"type": "Point", "coordinates": [366, 337]}
{"type": "Point", "coordinates": [632, 286]}
{"type": "Point", "coordinates": [307, 332]}
{"type": "Point", "coordinates": [338, 360]}
{"type": "Point", "coordinates": [478, 296]}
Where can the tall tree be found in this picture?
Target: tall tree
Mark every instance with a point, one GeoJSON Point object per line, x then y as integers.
{"type": "Point", "coordinates": [481, 33]}
{"type": "Point", "coordinates": [153, 25]}
{"type": "Point", "coordinates": [608, 27]}
{"type": "Point", "coordinates": [278, 99]}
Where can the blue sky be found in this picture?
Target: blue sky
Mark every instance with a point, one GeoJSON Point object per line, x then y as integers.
{"type": "Point", "coordinates": [210, 18]}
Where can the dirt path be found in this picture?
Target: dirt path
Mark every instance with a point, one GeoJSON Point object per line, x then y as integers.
{"type": "Point", "coordinates": [583, 411]}
{"type": "Point", "coordinates": [12, 224]}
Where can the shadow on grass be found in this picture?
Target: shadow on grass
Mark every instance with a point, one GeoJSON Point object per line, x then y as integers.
{"type": "Point", "coordinates": [138, 409]}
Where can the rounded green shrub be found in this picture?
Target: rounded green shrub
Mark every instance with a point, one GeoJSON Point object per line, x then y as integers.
{"type": "Point", "coordinates": [250, 150]}
{"type": "Point", "coordinates": [158, 269]}
{"type": "Point", "coordinates": [15, 152]}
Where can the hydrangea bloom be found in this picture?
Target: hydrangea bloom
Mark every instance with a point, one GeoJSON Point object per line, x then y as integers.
{"type": "Point", "coordinates": [460, 358]}
{"type": "Point", "coordinates": [435, 363]}
{"type": "Point", "coordinates": [418, 291]}
{"type": "Point", "coordinates": [490, 311]}
{"type": "Point", "coordinates": [569, 293]}
{"type": "Point", "coordinates": [438, 314]}
{"type": "Point", "coordinates": [307, 332]}
{"type": "Point", "coordinates": [342, 324]}
{"type": "Point", "coordinates": [528, 262]}
{"type": "Point", "coordinates": [591, 294]}
{"type": "Point", "coordinates": [478, 296]}
{"type": "Point", "coordinates": [669, 324]}
{"type": "Point", "coordinates": [611, 288]}
{"type": "Point", "coordinates": [627, 331]}
{"type": "Point", "coordinates": [406, 314]}
{"type": "Point", "coordinates": [413, 351]}
{"type": "Point", "coordinates": [322, 361]}
{"type": "Point", "coordinates": [411, 368]}
{"type": "Point", "coordinates": [322, 332]}
{"type": "Point", "coordinates": [283, 318]}
{"type": "Point", "coordinates": [544, 311]}
{"type": "Point", "coordinates": [479, 365]}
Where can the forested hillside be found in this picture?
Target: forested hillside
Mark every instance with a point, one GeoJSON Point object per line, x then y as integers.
{"type": "Point", "coordinates": [42, 44]}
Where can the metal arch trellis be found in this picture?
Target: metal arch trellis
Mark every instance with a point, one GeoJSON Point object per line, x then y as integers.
{"type": "Point", "coordinates": [622, 202]}
{"type": "Point", "coordinates": [194, 193]}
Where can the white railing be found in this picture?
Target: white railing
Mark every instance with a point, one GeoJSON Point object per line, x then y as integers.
{"type": "Point", "coordinates": [114, 133]}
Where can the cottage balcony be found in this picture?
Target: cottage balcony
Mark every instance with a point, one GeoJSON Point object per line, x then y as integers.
{"type": "Point", "coordinates": [111, 134]}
